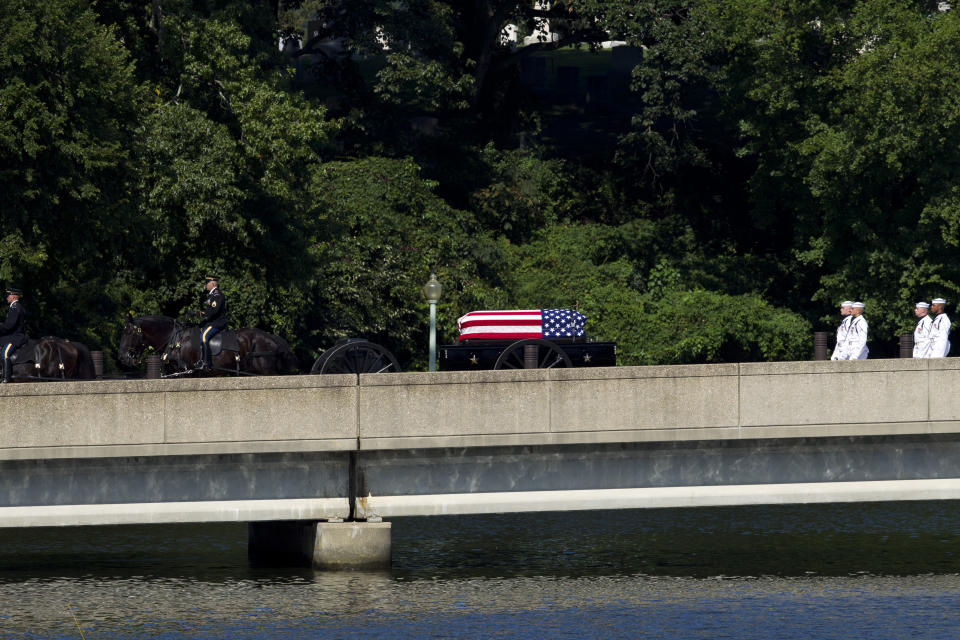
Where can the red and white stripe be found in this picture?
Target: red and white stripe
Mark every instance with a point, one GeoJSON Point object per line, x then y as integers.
{"type": "Point", "coordinates": [501, 325]}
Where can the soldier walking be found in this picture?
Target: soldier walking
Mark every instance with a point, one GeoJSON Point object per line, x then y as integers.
{"type": "Point", "coordinates": [842, 330]}
{"type": "Point", "coordinates": [856, 344]}
{"type": "Point", "coordinates": [921, 333]}
{"type": "Point", "coordinates": [940, 331]}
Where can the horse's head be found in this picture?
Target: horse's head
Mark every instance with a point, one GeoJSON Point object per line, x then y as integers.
{"type": "Point", "coordinates": [132, 343]}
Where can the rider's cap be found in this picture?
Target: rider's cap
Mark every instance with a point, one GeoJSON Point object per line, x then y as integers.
{"type": "Point", "coordinates": [209, 277]}
{"type": "Point", "coordinates": [923, 305]}
{"type": "Point", "coordinates": [858, 305]}
{"type": "Point", "coordinates": [14, 291]}
{"type": "Point", "coordinates": [938, 301]}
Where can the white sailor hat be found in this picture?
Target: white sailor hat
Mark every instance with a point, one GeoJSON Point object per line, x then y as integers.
{"type": "Point", "coordinates": [923, 305]}
{"type": "Point", "coordinates": [938, 301]}
{"type": "Point", "coordinates": [846, 303]}
{"type": "Point", "coordinates": [858, 305]}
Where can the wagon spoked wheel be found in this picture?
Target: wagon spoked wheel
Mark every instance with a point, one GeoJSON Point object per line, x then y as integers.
{"type": "Point", "coordinates": [532, 354]}
{"type": "Point", "coordinates": [359, 356]}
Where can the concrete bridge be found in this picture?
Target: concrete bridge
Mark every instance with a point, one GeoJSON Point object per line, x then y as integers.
{"type": "Point", "coordinates": [309, 448]}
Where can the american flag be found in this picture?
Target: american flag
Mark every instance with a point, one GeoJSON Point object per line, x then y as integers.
{"type": "Point", "coordinates": [519, 325]}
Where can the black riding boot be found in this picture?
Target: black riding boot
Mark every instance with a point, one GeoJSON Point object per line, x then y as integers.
{"type": "Point", "coordinates": [204, 362]}
{"type": "Point", "coordinates": [7, 370]}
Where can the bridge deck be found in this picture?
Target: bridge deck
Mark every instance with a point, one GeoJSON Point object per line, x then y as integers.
{"type": "Point", "coordinates": [456, 442]}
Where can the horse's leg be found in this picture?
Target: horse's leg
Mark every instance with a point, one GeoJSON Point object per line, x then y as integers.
{"type": "Point", "coordinates": [280, 362]}
{"type": "Point", "coordinates": [66, 355]}
{"type": "Point", "coordinates": [50, 369]}
{"type": "Point", "coordinates": [60, 364]}
{"type": "Point", "coordinates": [268, 343]}
{"type": "Point", "coordinates": [266, 364]}
{"type": "Point", "coordinates": [261, 363]}
{"type": "Point", "coordinates": [254, 362]}
{"type": "Point", "coordinates": [188, 354]}
{"type": "Point", "coordinates": [24, 372]}
{"type": "Point", "coordinates": [245, 340]}
{"type": "Point", "coordinates": [184, 354]}
{"type": "Point", "coordinates": [43, 359]}
{"type": "Point", "coordinates": [226, 362]}
{"type": "Point", "coordinates": [72, 360]}
{"type": "Point", "coordinates": [84, 369]}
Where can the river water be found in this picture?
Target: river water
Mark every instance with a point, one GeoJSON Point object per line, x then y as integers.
{"type": "Point", "coordinates": [800, 571]}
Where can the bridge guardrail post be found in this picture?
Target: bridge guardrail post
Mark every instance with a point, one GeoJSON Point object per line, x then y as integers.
{"type": "Point", "coordinates": [906, 346]}
{"type": "Point", "coordinates": [820, 345]}
{"type": "Point", "coordinates": [154, 367]}
{"type": "Point", "coordinates": [530, 359]}
{"type": "Point", "coordinates": [96, 357]}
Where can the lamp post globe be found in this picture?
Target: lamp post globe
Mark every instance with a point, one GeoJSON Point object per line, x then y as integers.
{"type": "Point", "coordinates": [432, 291]}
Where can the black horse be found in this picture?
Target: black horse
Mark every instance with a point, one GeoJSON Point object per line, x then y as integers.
{"type": "Point", "coordinates": [255, 351]}
{"type": "Point", "coordinates": [52, 358]}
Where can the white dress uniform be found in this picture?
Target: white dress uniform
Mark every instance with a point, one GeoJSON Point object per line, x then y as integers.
{"type": "Point", "coordinates": [856, 344]}
{"type": "Point", "coordinates": [940, 337]}
{"type": "Point", "coordinates": [921, 337]}
{"type": "Point", "coordinates": [842, 331]}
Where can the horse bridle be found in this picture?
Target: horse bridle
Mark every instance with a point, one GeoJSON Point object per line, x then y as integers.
{"type": "Point", "coordinates": [134, 354]}
{"type": "Point", "coordinates": [172, 344]}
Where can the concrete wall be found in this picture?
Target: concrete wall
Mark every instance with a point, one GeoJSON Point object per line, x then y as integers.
{"type": "Point", "coordinates": [660, 404]}
{"type": "Point", "coordinates": [465, 442]}
{"type": "Point", "coordinates": [178, 417]}
{"type": "Point", "coordinates": [483, 408]}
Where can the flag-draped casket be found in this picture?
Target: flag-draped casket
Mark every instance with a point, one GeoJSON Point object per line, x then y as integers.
{"type": "Point", "coordinates": [524, 339]}
{"type": "Point", "coordinates": [520, 325]}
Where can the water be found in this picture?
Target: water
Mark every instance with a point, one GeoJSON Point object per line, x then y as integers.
{"type": "Point", "coordinates": [801, 571]}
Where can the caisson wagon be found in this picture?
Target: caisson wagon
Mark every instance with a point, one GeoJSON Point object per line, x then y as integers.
{"type": "Point", "coordinates": [524, 339]}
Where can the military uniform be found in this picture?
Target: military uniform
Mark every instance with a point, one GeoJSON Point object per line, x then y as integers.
{"type": "Point", "coordinates": [856, 344]}
{"type": "Point", "coordinates": [214, 320]}
{"type": "Point", "coordinates": [922, 333]}
{"type": "Point", "coordinates": [940, 334]}
{"type": "Point", "coordinates": [842, 331]}
{"type": "Point", "coordinates": [13, 334]}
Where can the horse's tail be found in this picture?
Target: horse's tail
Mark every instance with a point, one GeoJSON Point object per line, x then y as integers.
{"type": "Point", "coordinates": [267, 344]}
{"type": "Point", "coordinates": [286, 361]}
{"type": "Point", "coordinates": [85, 369]}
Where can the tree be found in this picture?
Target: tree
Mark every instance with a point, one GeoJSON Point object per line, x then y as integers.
{"type": "Point", "coordinates": [444, 58]}
{"type": "Point", "coordinates": [225, 160]}
{"type": "Point", "coordinates": [864, 119]}
{"type": "Point", "coordinates": [68, 107]}
{"type": "Point", "coordinates": [654, 317]}
{"type": "Point", "coordinates": [380, 231]}
{"type": "Point", "coordinates": [828, 128]}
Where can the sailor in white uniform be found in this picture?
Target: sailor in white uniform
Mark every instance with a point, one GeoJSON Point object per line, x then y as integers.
{"type": "Point", "coordinates": [842, 330]}
{"type": "Point", "coordinates": [940, 332]}
{"type": "Point", "coordinates": [856, 344]}
{"type": "Point", "coordinates": [921, 334]}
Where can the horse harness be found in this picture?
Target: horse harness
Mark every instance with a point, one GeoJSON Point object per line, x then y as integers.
{"type": "Point", "coordinates": [29, 354]}
{"type": "Point", "coordinates": [225, 340]}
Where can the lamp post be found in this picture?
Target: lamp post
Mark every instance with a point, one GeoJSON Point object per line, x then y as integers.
{"type": "Point", "coordinates": [432, 291]}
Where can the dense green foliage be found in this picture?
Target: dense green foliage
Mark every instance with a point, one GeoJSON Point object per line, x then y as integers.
{"type": "Point", "coordinates": [767, 160]}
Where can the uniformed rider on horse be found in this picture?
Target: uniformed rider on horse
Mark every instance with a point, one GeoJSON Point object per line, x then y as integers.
{"type": "Point", "coordinates": [13, 335]}
{"type": "Point", "coordinates": [214, 319]}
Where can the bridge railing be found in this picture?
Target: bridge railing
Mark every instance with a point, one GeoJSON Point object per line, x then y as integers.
{"type": "Point", "coordinates": [484, 408]}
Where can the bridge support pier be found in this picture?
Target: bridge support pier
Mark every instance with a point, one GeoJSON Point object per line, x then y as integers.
{"type": "Point", "coordinates": [322, 545]}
